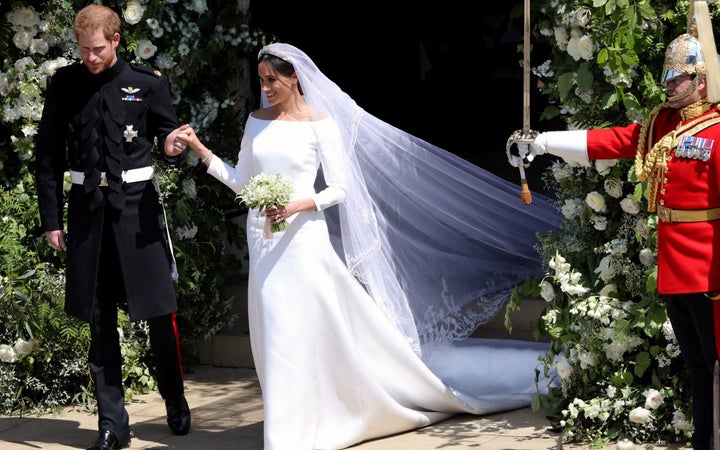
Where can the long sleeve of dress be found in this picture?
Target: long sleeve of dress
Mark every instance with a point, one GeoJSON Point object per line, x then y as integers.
{"type": "Point", "coordinates": [334, 165]}
{"type": "Point", "coordinates": [258, 155]}
{"type": "Point", "coordinates": [234, 177]}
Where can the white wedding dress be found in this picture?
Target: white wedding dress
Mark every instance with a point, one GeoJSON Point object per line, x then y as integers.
{"type": "Point", "coordinates": [334, 371]}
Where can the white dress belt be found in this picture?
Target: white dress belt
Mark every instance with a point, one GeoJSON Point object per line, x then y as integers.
{"type": "Point", "coordinates": [128, 176]}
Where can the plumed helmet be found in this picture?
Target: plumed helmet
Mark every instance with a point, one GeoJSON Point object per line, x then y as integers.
{"type": "Point", "coordinates": [683, 57]}
{"type": "Point", "coordinates": [694, 52]}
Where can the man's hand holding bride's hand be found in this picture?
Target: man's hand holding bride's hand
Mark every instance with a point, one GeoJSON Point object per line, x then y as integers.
{"type": "Point", "coordinates": [186, 136]}
{"type": "Point", "coordinates": [173, 145]}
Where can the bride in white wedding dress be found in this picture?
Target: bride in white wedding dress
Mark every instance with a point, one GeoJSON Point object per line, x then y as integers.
{"type": "Point", "coordinates": [395, 252]}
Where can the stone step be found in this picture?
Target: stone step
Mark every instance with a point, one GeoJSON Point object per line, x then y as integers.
{"type": "Point", "coordinates": [231, 346]}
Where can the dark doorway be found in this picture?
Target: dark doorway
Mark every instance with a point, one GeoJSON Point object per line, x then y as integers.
{"type": "Point", "coordinates": [448, 72]}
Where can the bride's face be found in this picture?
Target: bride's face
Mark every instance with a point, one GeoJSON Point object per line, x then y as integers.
{"type": "Point", "coordinates": [277, 87]}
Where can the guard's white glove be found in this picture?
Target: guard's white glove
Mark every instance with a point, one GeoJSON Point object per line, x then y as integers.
{"type": "Point", "coordinates": [569, 145]}
{"type": "Point", "coordinates": [528, 149]}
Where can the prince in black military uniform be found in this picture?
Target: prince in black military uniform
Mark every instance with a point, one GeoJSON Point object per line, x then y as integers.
{"type": "Point", "coordinates": [100, 121]}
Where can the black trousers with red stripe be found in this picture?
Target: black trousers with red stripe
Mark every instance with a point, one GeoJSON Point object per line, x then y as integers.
{"type": "Point", "coordinates": [691, 316]}
{"type": "Point", "coordinates": [105, 357]}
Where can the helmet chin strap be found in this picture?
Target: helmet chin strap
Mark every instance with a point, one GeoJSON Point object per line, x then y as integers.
{"type": "Point", "coordinates": [686, 93]}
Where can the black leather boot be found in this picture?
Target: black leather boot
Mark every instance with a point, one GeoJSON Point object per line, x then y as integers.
{"type": "Point", "coordinates": [178, 415]}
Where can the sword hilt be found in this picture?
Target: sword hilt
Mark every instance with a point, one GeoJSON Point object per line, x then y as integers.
{"type": "Point", "coordinates": [525, 136]}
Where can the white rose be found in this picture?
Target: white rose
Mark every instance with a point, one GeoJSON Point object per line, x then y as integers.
{"type": "Point", "coordinates": [23, 347]}
{"type": "Point", "coordinates": [23, 18]}
{"type": "Point", "coordinates": [653, 398]}
{"type": "Point", "coordinates": [145, 49]}
{"type": "Point", "coordinates": [7, 354]}
{"type": "Point", "coordinates": [50, 66]}
{"type": "Point", "coordinates": [133, 12]}
{"type": "Point", "coordinates": [22, 40]}
{"type": "Point", "coordinates": [564, 369]}
{"type": "Point", "coordinates": [596, 201]}
{"type": "Point", "coordinates": [24, 64]}
{"type": "Point", "coordinates": [573, 48]}
{"type": "Point", "coordinates": [603, 166]}
{"type": "Point", "coordinates": [629, 206]}
{"type": "Point", "coordinates": [39, 46]}
{"type": "Point", "coordinates": [639, 415]}
{"type": "Point", "coordinates": [582, 16]}
{"type": "Point", "coordinates": [586, 48]}
{"type": "Point", "coordinates": [547, 291]}
{"type": "Point", "coordinates": [647, 258]}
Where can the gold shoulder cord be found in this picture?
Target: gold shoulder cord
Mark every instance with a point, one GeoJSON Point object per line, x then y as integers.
{"type": "Point", "coordinates": [651, 166]}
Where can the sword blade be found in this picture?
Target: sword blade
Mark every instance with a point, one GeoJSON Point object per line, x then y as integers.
{"type": "Point", "coordinates": [526, 66]}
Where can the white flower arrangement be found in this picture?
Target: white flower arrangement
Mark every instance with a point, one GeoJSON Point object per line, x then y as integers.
{"type": "Point", "coordinates": [621, 374]}
{"type": "Point", "coordinates": [265, 190]}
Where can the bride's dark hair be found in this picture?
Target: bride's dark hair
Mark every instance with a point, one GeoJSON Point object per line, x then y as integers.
{"type": "Point", "coordinates": [280, 66]}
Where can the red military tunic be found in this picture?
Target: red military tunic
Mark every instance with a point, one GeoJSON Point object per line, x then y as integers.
{"type": "Point", "coordinates": [688, 252]}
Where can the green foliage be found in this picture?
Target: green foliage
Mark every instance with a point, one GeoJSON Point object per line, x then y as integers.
{"type": "Point", "coordinates": [612, 348]}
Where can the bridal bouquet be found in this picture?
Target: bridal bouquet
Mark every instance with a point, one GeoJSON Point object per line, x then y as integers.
{"type": "Point", "coordinates": [263, 191]}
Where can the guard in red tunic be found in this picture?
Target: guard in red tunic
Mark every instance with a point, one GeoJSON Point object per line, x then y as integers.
{"type": "Point", "coordinates": [100, 122]}
{"type": "Point", "coordinates": [678, 152]}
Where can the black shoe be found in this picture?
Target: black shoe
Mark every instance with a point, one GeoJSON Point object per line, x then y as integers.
{"type": "Point", "coordinates": [178, 415]}
{"type": "Point", "coordinates": [107, 441]}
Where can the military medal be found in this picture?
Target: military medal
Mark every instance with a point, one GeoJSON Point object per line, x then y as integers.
{"type": "Point", "coordinates": [130, 97]}
{"type": "Point", "coordinates": [694, 147]}
{"type": "Point", "coordinates": [130, 133]}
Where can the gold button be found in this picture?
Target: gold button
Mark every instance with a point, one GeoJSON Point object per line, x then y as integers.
{"type": "Point", "coordinates": [662, 202]}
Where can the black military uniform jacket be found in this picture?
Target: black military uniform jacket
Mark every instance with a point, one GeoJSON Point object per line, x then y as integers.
{"type": "Point", "coordinates": [107, 123]}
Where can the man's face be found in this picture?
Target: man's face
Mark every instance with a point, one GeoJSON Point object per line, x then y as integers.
{"type": "Point", "coordinates": [682, 90]}
{"type": "Point", "coordinates": [97, 53]}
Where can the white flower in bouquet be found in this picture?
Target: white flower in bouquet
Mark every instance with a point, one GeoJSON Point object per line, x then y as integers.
{"type": "Point", "coordinates": [263, 191]}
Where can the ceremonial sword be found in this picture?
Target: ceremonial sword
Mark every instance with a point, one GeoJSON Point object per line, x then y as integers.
{"type": "Point", "coordinates": [526, 135]}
